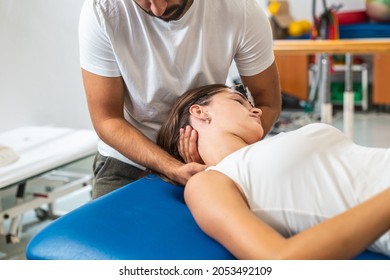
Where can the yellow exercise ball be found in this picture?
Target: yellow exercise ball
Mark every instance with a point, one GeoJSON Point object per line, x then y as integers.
{"type": "Point", "coordinates": [306, 25]}
{"type": "Point", "coordinates": [298, 28]}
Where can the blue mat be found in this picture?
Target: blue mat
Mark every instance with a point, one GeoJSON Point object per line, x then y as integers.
{"type": "Point", "coordinates": [365, 30]}
{"type": "Point", "coordinates": [358, 31]}
{"type": "Point", "coordinates": [146, 220]}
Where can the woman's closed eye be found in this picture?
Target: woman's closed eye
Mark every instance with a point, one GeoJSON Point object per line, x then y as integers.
{"type": "Point", "coordinates": [237, 97]}
{"type": "Point", "coordinates": [242, 101]}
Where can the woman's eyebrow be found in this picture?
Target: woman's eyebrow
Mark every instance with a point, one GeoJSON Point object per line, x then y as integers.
{"type": "Point", "coordinates": [240, 95]}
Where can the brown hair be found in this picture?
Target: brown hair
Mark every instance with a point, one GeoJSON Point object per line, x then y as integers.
{"type": "Point", "coordinates": [179, 116]}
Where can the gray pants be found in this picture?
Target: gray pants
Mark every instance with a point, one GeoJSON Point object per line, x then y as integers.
{"type": "Point", "coordinates": [111, 174]}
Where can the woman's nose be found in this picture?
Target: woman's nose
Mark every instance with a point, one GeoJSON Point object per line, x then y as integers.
{"type": "Point", "coordinates": [256, 111]}
{"type": "Point", "coordinates": [158, 7]}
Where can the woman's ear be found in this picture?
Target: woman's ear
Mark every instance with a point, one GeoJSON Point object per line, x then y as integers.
{"type": "Point", "coordinates": [198, 112]}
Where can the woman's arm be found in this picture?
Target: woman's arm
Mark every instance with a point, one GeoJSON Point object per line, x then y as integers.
{"type": "Point", "coordinates": [221, 211]}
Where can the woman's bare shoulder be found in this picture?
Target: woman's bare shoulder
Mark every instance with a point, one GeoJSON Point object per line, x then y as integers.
{"type": "Point", "coordinates": [207, 181]}
{"type": "Point", "coordinates": [210, 188]}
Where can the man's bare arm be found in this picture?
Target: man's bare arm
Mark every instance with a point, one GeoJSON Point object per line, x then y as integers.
{"type": "Point", "coordinates": [265, 89]}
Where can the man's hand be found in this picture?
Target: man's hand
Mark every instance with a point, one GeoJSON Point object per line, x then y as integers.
{"type": "Point", "coordinates": [188, 147]}
{"type": "Point", "coordinates": [186, 171]}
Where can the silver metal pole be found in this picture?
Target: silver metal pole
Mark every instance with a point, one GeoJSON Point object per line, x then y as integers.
{"type": "Point", "coordinates": [325, 96]}
{"type": "Point", "coordinates": [349, 96]}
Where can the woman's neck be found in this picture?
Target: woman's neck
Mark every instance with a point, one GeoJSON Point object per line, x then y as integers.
{"type": "Point", "coordinates": [214, 147]}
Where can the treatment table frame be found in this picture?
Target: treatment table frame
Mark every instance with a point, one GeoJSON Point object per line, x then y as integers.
{"type": "Point", "coordinates": [43, 153]}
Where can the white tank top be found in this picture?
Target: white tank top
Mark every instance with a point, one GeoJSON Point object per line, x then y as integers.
{"type": "Point", "coordinates": [297, 179]}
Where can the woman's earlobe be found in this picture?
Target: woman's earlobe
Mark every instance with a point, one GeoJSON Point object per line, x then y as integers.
{"type": "Point", "coordinates": [207, 119]}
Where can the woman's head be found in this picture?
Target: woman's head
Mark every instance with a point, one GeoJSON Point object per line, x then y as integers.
{"type": "Point", "coordinates": [179, 116]}
{"type": "Point", "coordinates": [211, 109]}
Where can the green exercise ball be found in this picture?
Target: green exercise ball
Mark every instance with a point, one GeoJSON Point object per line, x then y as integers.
{"type": "Point", "coordinates": [378, 10]}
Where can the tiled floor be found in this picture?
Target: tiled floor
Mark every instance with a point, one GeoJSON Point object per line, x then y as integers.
{"type": "Point", "coordinates": [370, 129]}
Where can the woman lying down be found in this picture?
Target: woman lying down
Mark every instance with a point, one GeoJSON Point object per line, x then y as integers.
{"type": "Point", "coordinates": [305, 194]}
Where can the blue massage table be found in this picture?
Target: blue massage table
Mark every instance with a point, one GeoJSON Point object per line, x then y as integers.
{"type": "Point", "coordinates": [145, 220]}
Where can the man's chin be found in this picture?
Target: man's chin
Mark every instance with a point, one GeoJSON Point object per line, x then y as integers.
{"type": "Point", "coordinates": [170, 17]}
{"type": "Point", "coordinates": [175, 13]}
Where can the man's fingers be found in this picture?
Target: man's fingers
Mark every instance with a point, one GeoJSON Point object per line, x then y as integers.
{"type": "Point", "coordinates": [186, 171]}
{"type": "Point", "coordinates": [193, 147]}
{"type": "Point", "coordinates": [188, 145]}
{"type": "Point", "coordinates": [184, 140]}
{"type": "Point", "coordinates": [181, 143]}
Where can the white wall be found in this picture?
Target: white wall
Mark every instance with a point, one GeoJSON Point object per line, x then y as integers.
{"type": "Point", "coordinates": [40, 80]}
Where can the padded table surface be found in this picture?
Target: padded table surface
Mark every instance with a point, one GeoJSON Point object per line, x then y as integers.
{"type": "Point", "coordinates": [145, 220]}
{"type": "Point", "coordinates": [30, 152]}
{"type": "Point", "coordinates": [43, 148]}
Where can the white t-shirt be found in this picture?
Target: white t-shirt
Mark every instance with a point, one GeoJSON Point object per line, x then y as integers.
{"type": "Point", "coordinates": [297, 179]}
{"type": "Point", "coordinates": [160, 60]}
